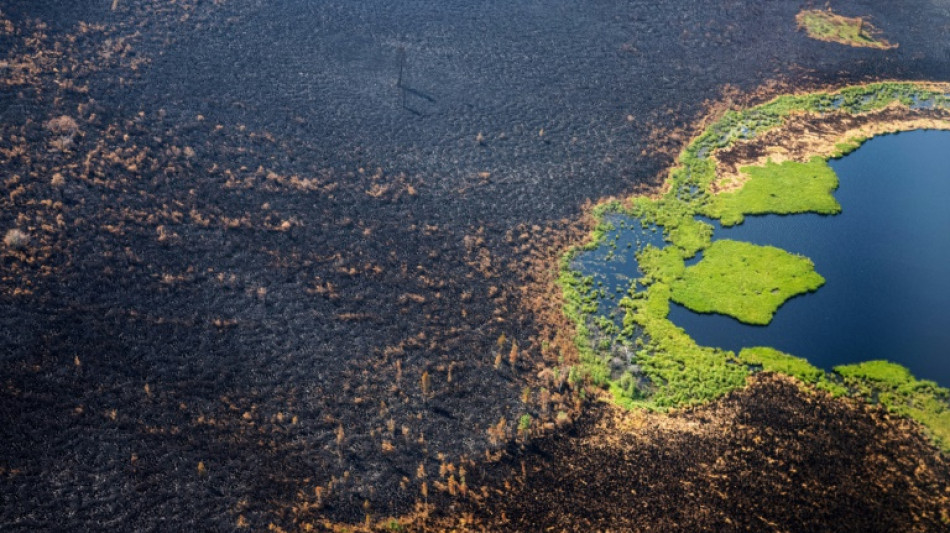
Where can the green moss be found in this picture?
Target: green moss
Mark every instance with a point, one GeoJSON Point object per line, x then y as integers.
{"type": "Point", "coordinates": [745, 281]}
{"type": "Point", "coordinates": [825, 25]}
{"type": "Point", "coordinates": [580, 304]}
{"type": "Point", "coordinates": [781, 189]}
{"type": "Point", "coordinates": [524, 423]}
{"type": "Point", "coordinates": [689, 235]}
{"type": "Point", "coordinates": [895, 388]}
{"type": "Point", "coordinates": [681, 371]}
{"type": "Point", "coordinates": [773, 360]}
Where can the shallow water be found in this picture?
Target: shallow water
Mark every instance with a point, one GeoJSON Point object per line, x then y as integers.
{"type": "Point", "coordinates": [613, 264]}
{"type": "Point", "coordinates": [885, 260]}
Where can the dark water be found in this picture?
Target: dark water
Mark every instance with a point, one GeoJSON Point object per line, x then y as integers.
{"type": "Point", "coordinates": [885, 258]}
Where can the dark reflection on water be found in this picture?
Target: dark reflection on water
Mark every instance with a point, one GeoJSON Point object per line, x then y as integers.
{"type": "Point", "coordinates": [885, 259]}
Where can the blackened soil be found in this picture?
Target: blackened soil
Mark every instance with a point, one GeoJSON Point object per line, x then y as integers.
{"type": "Point", "coordinates": [769, 457]}
{"type": "Point", "coordinates": [253, 244]}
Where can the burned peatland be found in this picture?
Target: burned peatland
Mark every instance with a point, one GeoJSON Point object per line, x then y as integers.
{"type": "Point", "coordinates": [266, 284]}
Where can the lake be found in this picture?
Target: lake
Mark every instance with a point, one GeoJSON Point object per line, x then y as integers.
{"type": "Point", "coordinates": [885, 259]}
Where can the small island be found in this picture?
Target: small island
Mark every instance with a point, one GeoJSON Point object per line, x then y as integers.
{"type": "Point", "coordinates": [825, 25]}
{"type": "Point", "coordinates": [744, 281]}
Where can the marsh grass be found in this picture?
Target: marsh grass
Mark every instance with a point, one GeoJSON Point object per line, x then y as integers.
{"type": "Point", "coordinates": [745, 281]}
{"type": "Point", "coordinates": [782, 189]}
{"type": "Point", "coordinates": [772, 360]}
{"type": "Point", "coordinates": [894, 387]}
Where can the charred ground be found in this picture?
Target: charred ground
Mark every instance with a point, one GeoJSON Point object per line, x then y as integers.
{"type": "Point", "coordinates": [767, 457]}
{"type": "Point", "coordinates": [257, 239]}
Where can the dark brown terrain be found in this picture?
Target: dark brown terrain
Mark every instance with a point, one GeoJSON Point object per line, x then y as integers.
{"type": "Point", "coordinates": [273, 248]}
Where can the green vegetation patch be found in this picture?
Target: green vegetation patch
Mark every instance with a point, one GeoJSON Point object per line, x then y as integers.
{"type": "Point", "coordinates": [745, 281]}
{"type": "Point", "coordinates": [690, 235]}
{"type": "Point", "coordinates": [661, 264]}
{"type": "Point", "coordinates": [781, 189]}
{"type": "Point", "coordinates": [894, 387]}
{"type": "Point", "coordinates": [682, 372]}
{"type": "Point", "coordinates": [825, 25]}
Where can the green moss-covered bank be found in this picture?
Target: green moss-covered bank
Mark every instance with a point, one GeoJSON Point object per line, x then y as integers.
{"type": "Point", "coordinates": [649, 362]}
{"type": "Point", "coordinates": [779, 189]}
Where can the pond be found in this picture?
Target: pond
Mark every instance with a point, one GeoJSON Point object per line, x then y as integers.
{"type": "Point", "coordinates": [885, 259]}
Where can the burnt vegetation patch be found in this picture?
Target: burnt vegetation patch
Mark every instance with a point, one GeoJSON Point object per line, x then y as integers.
{"type": "Point", "coordinates": [258, 291]}
{"type": "Point", "coordinates": [805, 134]}
{"type": "Point", "coordinates": [770, 455]}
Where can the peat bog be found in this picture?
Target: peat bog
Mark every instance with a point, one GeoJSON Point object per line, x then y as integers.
{"type": "Point", "coordinates": [266, 285]}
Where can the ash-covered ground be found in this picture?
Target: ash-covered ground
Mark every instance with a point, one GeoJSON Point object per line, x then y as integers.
{"type": "Point", "coordinates": [273, 245]}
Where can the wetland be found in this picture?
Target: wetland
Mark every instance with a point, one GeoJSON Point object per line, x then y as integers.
{"type": "Point", "coordinates": [650, 360]}
{"type": "Point", "coordinates": [882, 251]}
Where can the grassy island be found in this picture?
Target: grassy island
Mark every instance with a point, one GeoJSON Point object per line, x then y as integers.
{"type": "Point", "coordinates": [744, 281]}
{"type": "Point", "coordinates": [781, 189]}
{"type": "Point", "coordinates": [825, 25]}
{"type": "Point", "coordinates": [660, 365]}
